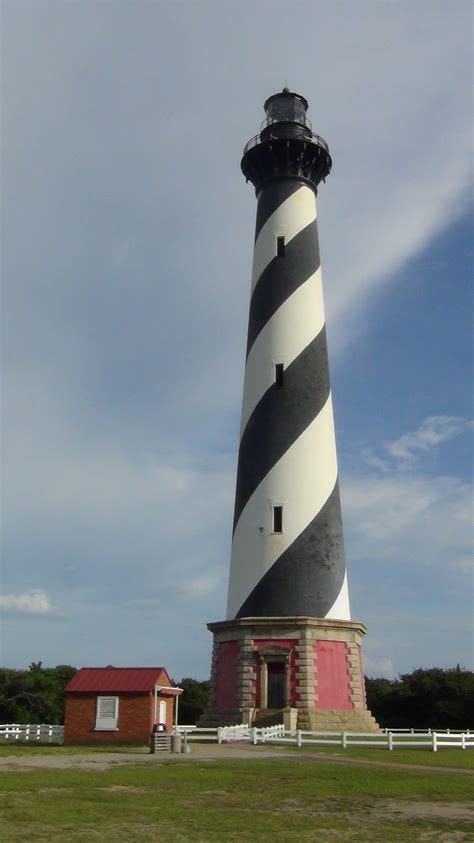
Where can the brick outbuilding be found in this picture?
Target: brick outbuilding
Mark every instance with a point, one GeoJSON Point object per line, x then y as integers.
{"type": "Point", "coordinates": [118, 704]}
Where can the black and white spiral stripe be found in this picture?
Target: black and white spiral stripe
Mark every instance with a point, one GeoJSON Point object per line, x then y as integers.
{"type": "Point", "coordinates": [287, 454]}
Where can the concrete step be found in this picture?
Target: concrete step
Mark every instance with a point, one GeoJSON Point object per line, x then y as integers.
{"type": "Point", "coordinates": [268, 717]}
{"type": "Point", "coordinates": [318, 720]}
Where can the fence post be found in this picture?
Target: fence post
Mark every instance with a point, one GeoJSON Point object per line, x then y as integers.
{"type": "Point", "coordinates": [390, 740]}
{"type": "Point", "coordinates": [219, 734]}
{"type": "Point", "coordinates": [463, 741]}
{"type": "Point", "coordinates": [254, 736]}
{"type": "Point", "coordinates": [298, 737]}
{"type": "Point", "coordinates": [344, 740]}
{"type": "Point", "coordinates": [435, 745]}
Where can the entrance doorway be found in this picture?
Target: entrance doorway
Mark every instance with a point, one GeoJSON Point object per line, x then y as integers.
{"type": "Point", "coordinates": [276, 693]}
{"type": "Point", "coordinates": [274, 680]}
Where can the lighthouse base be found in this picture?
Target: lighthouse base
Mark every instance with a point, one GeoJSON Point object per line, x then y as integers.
{"type": "Point", "coordinates": [302, 671]}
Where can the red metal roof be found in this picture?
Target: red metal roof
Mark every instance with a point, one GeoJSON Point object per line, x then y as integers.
{"type": "Point", "coordinates": [117, 679]}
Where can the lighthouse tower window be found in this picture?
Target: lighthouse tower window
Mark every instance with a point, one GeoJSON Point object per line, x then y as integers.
{"type": "Point", "coordinates": [279, 369]}
{"type": "Point", "coordinates": [277, 519]}
{"type": "Point", "coordinates": [280, 247]}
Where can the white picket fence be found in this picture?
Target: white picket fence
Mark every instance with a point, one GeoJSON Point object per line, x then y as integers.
{"type": "Point", "coordinates": [248, 733]}
{"type": "Point", "coordinates": [233, 733]}
{"type": "Point", "coordinates": [430, 731]}
{"type": "Point", "coordinates": [44, 732]}
{"type": "Point", "coordinates": [388, 739]}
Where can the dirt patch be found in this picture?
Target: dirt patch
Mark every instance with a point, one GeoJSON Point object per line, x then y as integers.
{"type": "Point", "coordinates": [445, 836]}
{"type": "Point", "coordinates": [390, 810]}
{"type": "Point", "coordinates": [419, 810]}
{"type": "Point", "coordinates": [124, 788]}
{"type": "Point", "coordinates": [214, 792]}
{"type": "Point", "coordinates": [45, 790]}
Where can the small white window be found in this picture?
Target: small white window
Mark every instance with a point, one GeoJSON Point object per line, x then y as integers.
{"type": "Point", "coordinates": [107, 713]}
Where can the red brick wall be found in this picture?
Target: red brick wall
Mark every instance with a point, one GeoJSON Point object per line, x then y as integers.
{"type": "Point", "coordinates": [135, 721]}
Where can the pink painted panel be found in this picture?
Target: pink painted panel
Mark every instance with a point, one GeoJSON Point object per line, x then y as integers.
{"type": "Point", "coordinates": [332, 673]}
{"type": "Point", "coordinates": [226, 674]}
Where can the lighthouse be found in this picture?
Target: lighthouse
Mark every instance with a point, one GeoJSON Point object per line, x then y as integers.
{"type": "Point", "coordinates": [288, 650]}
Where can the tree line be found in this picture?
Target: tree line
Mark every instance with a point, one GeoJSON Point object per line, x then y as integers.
{"type": "Point", "coordinates": [435, 698]}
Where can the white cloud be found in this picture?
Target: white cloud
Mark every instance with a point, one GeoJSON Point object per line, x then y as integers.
{"type": "Point", "coordinates": [432, 432]}
{"type": "Point", "coordinates": [34, 602]}
{"type": "Point", "coordinates": [398, 517]}
{"type": "Point", "coordinates": [379, 667]}
{"type": "Point", "coordinates": [409, 556]}
{"type": "Point", "coordinates": [201, 586]}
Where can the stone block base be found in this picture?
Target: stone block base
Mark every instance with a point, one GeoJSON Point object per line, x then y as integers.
{"type": "Point", "coordinates": [336, 721]}
{"type": "Point", "coordinates": [301, 670]}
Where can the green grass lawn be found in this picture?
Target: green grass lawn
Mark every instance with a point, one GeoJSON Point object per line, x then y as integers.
{"type": "Point", "coordinates": [449, 757]}
{"type": "Point", "coordinates": [258, 800]}
{"type": "Point", "coordinates": [9, 748]}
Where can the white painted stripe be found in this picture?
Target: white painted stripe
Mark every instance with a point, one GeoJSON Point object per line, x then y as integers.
{"type": "Point", "coordinates": [294, 214]}
{"type": "Point", "coordinates": [302, 480]}
{"type": "Point", "coordinates": [289, 331]}
{"type": "Point", "coordinates": [340, 609]}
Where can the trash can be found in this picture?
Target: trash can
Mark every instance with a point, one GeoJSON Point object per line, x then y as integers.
{"type": "Point", "coordinates": [176, 742]}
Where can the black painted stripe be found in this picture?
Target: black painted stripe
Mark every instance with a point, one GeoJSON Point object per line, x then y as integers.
{"type": "Point", "coordinates": [307, 578]}
{"type": "Point", "coordinates": [281, 277]}
{"type": "Point", "coordinates": [280, 417]}
{"type": "Point", "coordinates": [271, 198]}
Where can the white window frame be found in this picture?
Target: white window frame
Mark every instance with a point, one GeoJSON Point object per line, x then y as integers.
{"type": "Point", "coordinates": [104, 720]}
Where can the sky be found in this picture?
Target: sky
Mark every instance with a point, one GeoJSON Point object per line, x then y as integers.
{"type": "Point", "coordinates": [127, 235]}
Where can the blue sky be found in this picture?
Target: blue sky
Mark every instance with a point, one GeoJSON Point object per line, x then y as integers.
{"type": "Point", "coordinates": [127, 245]}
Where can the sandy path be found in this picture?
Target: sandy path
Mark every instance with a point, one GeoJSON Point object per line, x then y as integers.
{"type": "Point", "coordinates": [198, 752]}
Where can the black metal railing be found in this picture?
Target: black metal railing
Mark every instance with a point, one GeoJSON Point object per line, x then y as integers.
{"type": "Point", "coordinates": [309, 137]}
